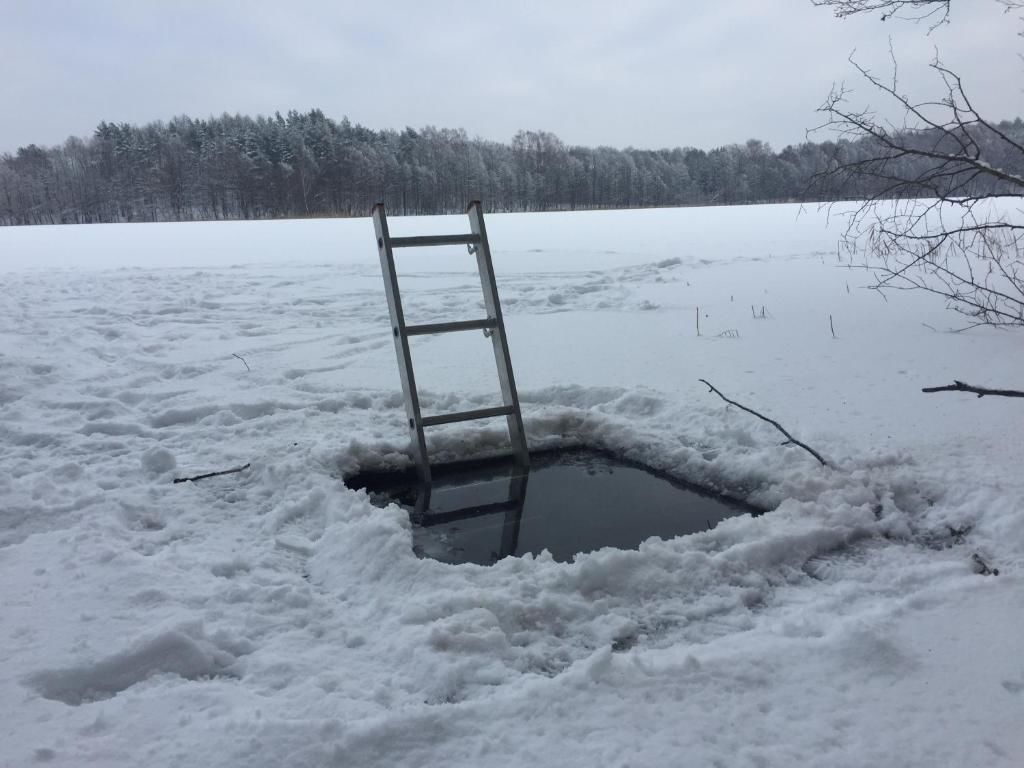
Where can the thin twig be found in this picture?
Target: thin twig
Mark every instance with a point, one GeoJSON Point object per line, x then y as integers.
{"type": "Point", "coordinates": [211, 474]}
{"type": "Point", "coordinates": [774, 423]}
{"type": "Point", "coordinates": [243, 361]}
{"type": "Point", "coordinates": [832, 326]}
{"type": "Point", "coordinates": [959, 386]}
{"type": "Point", "coordinates": [983, 568]}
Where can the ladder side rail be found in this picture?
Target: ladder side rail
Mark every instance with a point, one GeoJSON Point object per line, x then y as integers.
{"type": "Point", "coordinates": [513, 516]}
{"type": "Point", "coordinates": [402, 351]}
{"type": "Point", "coordinates": [516, 431]}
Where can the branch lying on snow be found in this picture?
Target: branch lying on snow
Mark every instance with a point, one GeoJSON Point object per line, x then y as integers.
{"type": "Point", "coordinates": [959, 386]}
{"type": "Point", "coordinates": [211, 474]}
{"type": "Point", "coordinates": [981, 567]}
{"type": "Point", "coordinates": [789, 437]}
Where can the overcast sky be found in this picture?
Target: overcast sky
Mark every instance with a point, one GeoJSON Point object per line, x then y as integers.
{"type": "Point", "coordinates": [643, 73]}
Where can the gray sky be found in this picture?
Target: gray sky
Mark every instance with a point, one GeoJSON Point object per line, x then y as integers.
{"type": "Point", "coordinates": [646, 73]}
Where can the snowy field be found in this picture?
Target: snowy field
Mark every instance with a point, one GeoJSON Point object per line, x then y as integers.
{"type": "Point", "coordinates": [275, 618]}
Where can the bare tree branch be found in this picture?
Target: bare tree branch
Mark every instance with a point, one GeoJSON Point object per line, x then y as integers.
{"type": "Point", "coordinates": [933, 214]}
{"type": "Point", "coordinates": [937, 11]}
{"type": "Point", "coordinates": [211, 474]}
{"type": "Point", "coordinates": [959, 386]}
{"type": "Point", "coordinates": [789, 437]}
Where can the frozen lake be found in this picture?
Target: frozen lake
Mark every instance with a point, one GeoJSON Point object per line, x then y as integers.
{"type": "Point", "coordinates": [275, 617]}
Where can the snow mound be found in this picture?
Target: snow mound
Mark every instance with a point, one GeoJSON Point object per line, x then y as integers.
{"type": "Point", "coordinates": [158, 461]}
{"type": "Point", "coordinates": [183, 651]}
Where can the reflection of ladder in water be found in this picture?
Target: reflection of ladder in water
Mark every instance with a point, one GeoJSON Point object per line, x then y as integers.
{"type": "Point", "coordinates": [428, 512]}
{"type": "Point", "coordinates": [493, 325]}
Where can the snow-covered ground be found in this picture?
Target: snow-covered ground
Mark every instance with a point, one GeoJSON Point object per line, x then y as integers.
{"type": "Point", "coordinates": [275, 618]}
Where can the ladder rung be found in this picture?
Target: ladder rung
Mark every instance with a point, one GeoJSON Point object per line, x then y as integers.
{"type": "Point", "coordinates": [426, 240]}
{"type": "Point", "coordinates": [459, 325]}
{"type": "Point", "coordinates": [439, 518]}
{"type": "Point", "coordinates": [480, 413]}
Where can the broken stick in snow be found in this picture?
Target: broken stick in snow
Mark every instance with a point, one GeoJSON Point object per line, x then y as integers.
{"type": "Point", "coordinates": [959, 386]}
{"type": "Point", "coordinates": [981, 567]}
{"type": "Point", "coordinates": [211, 474]}
{"type": "Point", "coordinates": [790, 438]}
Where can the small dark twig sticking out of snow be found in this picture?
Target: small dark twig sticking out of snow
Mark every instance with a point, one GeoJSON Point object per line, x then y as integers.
{"type": "Point", "coordinates": [790, 438]}
{"type": "Point", "coordinates": [832, 326]}
{"type": "Point", "coordinates": [981, 567]}
{"type": "Point", "coordinates": [243, 361]}
{"type": "Point", "coordinates": [959, 386]}
{"type": "Point", "coordinates": [211, 474]}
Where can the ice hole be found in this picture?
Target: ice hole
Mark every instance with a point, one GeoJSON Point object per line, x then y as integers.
{"type": "Point", "coordinates": [567, 503]}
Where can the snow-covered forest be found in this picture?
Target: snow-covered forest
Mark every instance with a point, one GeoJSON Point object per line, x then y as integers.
{"type": "Point", "coordinates": [306, 164]}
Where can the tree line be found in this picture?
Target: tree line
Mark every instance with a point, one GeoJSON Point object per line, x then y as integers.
{"type": "Point", "coordinates": [306, 164]}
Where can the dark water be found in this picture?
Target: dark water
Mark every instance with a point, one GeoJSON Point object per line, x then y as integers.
{"type": "Point", "coordinates": [567, 503]}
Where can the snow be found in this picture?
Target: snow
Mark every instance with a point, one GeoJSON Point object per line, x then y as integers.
{"type": "Point", "coordinates": [274, 617]}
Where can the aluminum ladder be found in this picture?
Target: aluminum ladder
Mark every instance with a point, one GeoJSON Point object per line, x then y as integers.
{"type": "Point", "coordinates": [493, 326]}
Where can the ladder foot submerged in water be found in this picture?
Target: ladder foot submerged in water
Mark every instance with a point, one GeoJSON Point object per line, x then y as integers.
{"type": "Point", "coordinates": [493, 326]}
